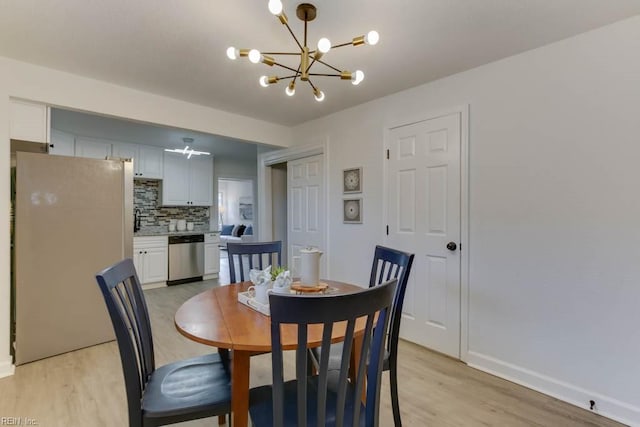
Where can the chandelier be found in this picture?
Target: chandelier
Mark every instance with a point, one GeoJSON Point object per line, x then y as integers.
{"type": "Point", "coordinates": [187, 151]}
{"type": "Point", "coordinates": [308, 58]}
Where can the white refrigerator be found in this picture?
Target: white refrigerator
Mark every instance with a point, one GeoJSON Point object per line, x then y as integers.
{"type": "Point", "coordinates": [73, 217]}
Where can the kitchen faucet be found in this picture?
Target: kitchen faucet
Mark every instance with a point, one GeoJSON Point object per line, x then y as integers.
{"type": "Point", "coordinates": [136, 220]}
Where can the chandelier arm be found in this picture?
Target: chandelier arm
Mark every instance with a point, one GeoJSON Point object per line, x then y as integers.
{"type": "Point", "coordinates": [330, 66]}
{"type": "Point", "coordinates": [324, 75]}
{"type": "Point", "coordinates": [310, 65]}
{"type": "Point", "coordinates": [288, 68]}
{"type": "Point", "coordinates": [341, 45]}
{"type": "Point", "coordinates": [293, 35]}
{"type": "Point", "coordinates": [282, 53]}
{"type": "Point", "coordinates": [297, 74]}
{"type": "Point", "coordinates": [309, 81]}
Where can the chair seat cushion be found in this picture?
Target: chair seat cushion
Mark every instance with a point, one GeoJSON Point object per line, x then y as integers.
{"type": "Point", "coordinates": [197, 384]}
{"type": "Point", "coordinates": [261, 405]}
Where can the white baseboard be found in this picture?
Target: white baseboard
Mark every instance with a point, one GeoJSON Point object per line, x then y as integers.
{"type": "Point", "coordinates": [605, 406]}
{"type": "Point", "coordinates": [6, 368]}
{"type": "Point", "coordinates": [210, 276]}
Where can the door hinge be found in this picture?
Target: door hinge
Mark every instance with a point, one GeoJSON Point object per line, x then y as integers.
{"type": "Point", "coordinates": [387, 154]}
{"type": "Point", "coordinates": [387, 230]}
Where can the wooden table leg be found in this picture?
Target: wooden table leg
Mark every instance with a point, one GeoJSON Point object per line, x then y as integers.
{"type": "Point", "coordinates": [240, 367]}
{"type": "Point", "coordinates": [354, 365]}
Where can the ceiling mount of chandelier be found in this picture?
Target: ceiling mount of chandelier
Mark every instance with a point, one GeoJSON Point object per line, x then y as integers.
{"type": "Point", "coordinates": [308, 58]}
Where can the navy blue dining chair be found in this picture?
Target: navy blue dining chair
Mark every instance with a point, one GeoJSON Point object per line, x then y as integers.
{"type": "Point", "coordinates": [252, 255]}
{"type": "Point", "coordinates": [329, 398]}
{"type": "Point", "coordinates": [388, 264]}
{"type": "Point", "coordinates": [181, 391]}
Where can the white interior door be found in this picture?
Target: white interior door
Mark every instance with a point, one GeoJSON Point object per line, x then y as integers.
{"type": "Point", "coordinates": [423, 193]}
{"type": "Point", "coordinates": [305, 209]}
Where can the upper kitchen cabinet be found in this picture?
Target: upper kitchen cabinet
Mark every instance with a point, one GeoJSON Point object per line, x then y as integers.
{"type": "Point", "coordinates": [29, 121]}
{"type": "Point", "coordinates": [62, 143]}
{"type": "Point", "coordinates": [187, 182]}
{"type": "Point", "coordinates": [147, 160]}
{"type": "Point", "coordinates": [92, 148]}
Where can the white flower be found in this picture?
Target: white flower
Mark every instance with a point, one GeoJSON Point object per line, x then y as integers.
{"type": "Point", "coordinates": [260, 277]}
{"type": "Point", "coordinates": [283, 280]}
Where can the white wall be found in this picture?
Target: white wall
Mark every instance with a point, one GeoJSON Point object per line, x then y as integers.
{"type": "Point", "coordinates": [21, 80]}
{"type": "Point", "coordinates": [554, 246]}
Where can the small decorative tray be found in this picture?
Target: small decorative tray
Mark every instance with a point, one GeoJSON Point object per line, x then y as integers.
{"type": "Point", "coordinates": [300, 288]}
{"type": "Point", "coordinates": [247, 299]}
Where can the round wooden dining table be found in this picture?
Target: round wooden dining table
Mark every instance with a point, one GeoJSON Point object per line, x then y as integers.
{"type": "Point", "coordinates": [216, 318]}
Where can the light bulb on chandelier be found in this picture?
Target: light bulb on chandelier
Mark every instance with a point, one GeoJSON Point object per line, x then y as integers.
{"type": "Point", "coordinates": [308, 58]}
{"type": "Point", "coordinates": [290, 89]}
{"type": "Point", "coordinates": [358, 76]}
{"type": "Point", "coordinates": [275, 7]}
{"type": "Point", "coordinates": [254, 56]}
{"type": "Point", "coordinates": [324, 45]}
{"type": "Point", "coordinates": [372, 38]}
{"type": "Point", "coordinates": [318, 94]}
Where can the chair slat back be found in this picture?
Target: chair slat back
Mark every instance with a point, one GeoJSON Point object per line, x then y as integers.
{"type": "Point", "coordinates": [390, 264]}
{"type": "Point", "coordinates": [324, 311]}
{"type": "Point", "coordinates": [252, 255]}
{"type": "Point", "coordinates": [127, 308]}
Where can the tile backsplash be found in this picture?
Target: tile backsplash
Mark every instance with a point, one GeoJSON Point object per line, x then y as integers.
{"type": "Point", "coordinates": [146, 193]}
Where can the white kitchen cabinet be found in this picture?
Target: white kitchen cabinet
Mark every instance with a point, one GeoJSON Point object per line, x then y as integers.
{"type": "Point", "coordinates": [92, 148]}
{"type": "Point", "coordinates": [187, 182]}
{"type": "Point", "coordinates": [211, 255]}
{"type": "Point", "coordinates": [125, 151]}
{"type": "Point", "coordinates": [151, 259]}
{"type": "Point", "coordinates": [29, 121]}
{"type": "Point", "coordinates": [150, 162]}
{"type": "Point", "coordinates": [62, 143]}
{"type": "Point", "coordinates": [147, 160]}
{"type": "Point", "coordinates": [201, 181]}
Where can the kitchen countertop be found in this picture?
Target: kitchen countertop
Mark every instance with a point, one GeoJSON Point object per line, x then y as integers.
{"type": "Point", "coordinates": [164, 231]}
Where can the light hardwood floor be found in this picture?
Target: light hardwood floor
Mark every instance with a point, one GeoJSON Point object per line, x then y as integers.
{"type": "Point", "coordinates": [85, 387]}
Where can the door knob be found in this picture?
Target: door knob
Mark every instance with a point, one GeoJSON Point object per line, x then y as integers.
{"type": "Point", "coordinates": [452, 246]}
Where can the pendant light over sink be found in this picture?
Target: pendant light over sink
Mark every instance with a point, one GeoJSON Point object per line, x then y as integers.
{"type": "Point", "coordinates": [187, 150]}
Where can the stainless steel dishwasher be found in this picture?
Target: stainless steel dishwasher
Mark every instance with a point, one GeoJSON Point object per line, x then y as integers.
{"type": "Point", "coordinates": [186, 258]}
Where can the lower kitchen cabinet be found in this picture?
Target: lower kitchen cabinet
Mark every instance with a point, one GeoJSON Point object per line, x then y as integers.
{"type": "Point", "coordinates": [151, 259]}
{"type": "Point", "coordinates": [211, 255]}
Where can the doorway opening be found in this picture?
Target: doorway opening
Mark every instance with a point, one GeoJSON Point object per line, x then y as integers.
{"type": "Point", "coordinates": [279, 206]}
{"type": "Point", "coordinates": [236, 216]}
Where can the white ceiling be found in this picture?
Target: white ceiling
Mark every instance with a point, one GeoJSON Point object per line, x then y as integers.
{"type": "Point", "coordinates": [177, 47]}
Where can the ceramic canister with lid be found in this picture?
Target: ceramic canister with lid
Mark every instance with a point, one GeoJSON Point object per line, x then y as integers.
{"type": "Point", "coordinates": [310, 266]}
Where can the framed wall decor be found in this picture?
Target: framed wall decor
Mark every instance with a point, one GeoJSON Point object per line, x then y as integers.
{"type": "Point", "coordinates": [245, 208]}
{"type": "Point", "coordinates": [352, 211]}
{"type": "Point", "coordinates": [352, 180]}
